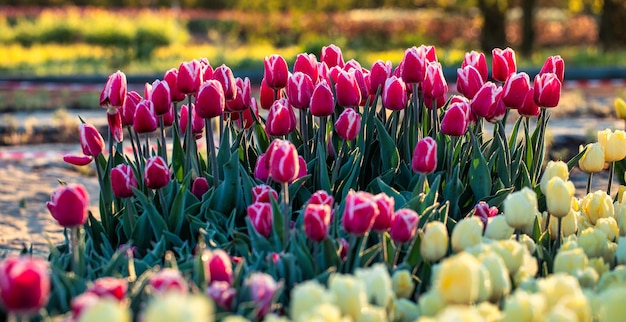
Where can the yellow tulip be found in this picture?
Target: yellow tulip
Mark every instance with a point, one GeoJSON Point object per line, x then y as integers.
{"type": "Point", "coordinates": [498, 229]}
{"type": "Point", "coordinates": [349, 293]}
{"type": "Point", "coordinates": [524, 306]}
{"type": "Point", "coordinates": [597, 205]}
{"type": "Point", "coordinates": [402, 283]}
{"type": "Point", "coordinates": [593, 242]}
{"type": "Point", "coordinates": [174, 307]}
{"type": "Point", "coordinates": [106, 309]}
{"type": "Point", "coordinates": [499, 275]}
{"type": "Point", "coordinates": [520, 208]}
{"type": "Point", "coordinates": [377, 284]}
{"type": "Point", "coordinates": [305, 297]}
{"type": "Point", "coordinates": [467, 233]}
{"type": "Point", "coordinates": [569, 261]}
{"type": "Point", "coordinates": [434, 244]}
{"type": "Point", "coordinates": [569, 225]}
{"type": "Point", "coordinates": [558, 286]}
{"type": "Point", "coordinates": [559, 194]}
{"type": "Point", "coordinates": [554, 169]}
{"type": "Point", "coordinates": [458, 279]}
{"type": "Point", "coordinates": [620, 108]}
{"type": "Point", "coordinates": [614, 143]}
{"type": "Point", "coordinates": [593, 159]}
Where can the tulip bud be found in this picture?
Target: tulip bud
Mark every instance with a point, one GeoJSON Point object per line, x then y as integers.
{"type": "Point", "coordinates": [485, 101]}
{"type": "Point", "coordinates": [394, 94]}
{"type": "Point", "coordinates": [348, 124]}
{"type": "Point", "coordinates": [559, 196]}
{"type": "Point", "coordinates": [130, 105]}
{"type": "Point", "coordinates": [456, 119]}
{"type": "Point", "coordinates": [91, 141]}
{"type": "Point", "coordinates": [498, 112]}
{"type": "Point", "coordinates": [262, 290]}
{"type": "Point", "coordinates": [478, 61]}
{"type": "Point", "coordinates": [484, 212]}
{"type": "Point", "coordinates": [161, 97]}
{"type": "Point", "coordinates": [593, 159]}
{"type": "Point", "coordinates": [322, 100]}
{"type": "Point", "coordinates": [284, 164]}
{"type": "Point", "coordinates": [529, 108]}
{"type": "Point", "coordinates": [307, 64]}
{"type": "Point", "coordinates": [114, 92]}
{"type": "Point", "coordinates": [415, 61]}
{"type": "Point", "coordinates": [360, 212]}
{"type": "Point", "coordinates": [210, 100]}
{"type": "Point", "coordinates": [520, 208]}
{"type": "Point", "coordinates": [222, 294]}
{"type": "Point", "coordinates": [224, 75]}
{"type": "Point", "coordinates": [156, 173]}
{"type": "Point", "coordinates": [77, 160]}
{"type": "Point", "coordinates": [299, 90]}
{"type": "Point", "coordinates": [189, 76]}
{"type": "Point", "coordinates": [332, 56]}
{"type": "Point", "coordinates": [114, 288]}
{"type": "Point", "coordinates": [197, 123]}
{"type": "Point", "coordinates": [281, 119]}
{"type": "Point", "coordinates": [24, 284]}
{"type": "Point", "coordinates": [322, 197]}
{"type": "Point", "coordinates": [515, 89]}
{"type": "Point", "coordinates": [261, 169]}
{"type": "Point", "coordinates": [266, 95]}
{"type": "Point", "coordinates": [554, 64]}
{"type": "Point", "coordinates": [347, 90]}
{"type": "Point", "coordinates": [218, 267]}
{"type": "Point", "coordinates": [168, 280]}
{"type": "Point", "coordinates": [206, 70]}
{"type": "Point", "coordinates": [122, 181]}
{"type": "Point", "coordinates": [553, 169]}
{"type": "Point", "coordinates": [316, 221]}
{"type": "Point", "coordinates": [362, 78]}
{"type": "Point", "coordinates": [241, 102]}
{"type": "Point", "coordinates": [503, 63]}
{"type": "Point", "coordinates": [69, 205]}
{"type": "Point", "coordinates": [114, 118]}
{"type": "Point", "coordinates": [547, 90]}
{"type": "Point", "coordinates": [386, 212]}
{"type": "Point", "coordinates": [469, 81]}
{"type": "Point", "coordinates": [379, 73]}
{"type": "Point", "coordinates": [199, 187]}
{"type": "Point", "coordinates": [276, 71]}
{"type": "Point", "coordinates": [614, 143]}
{"type": "Point", "coordinates": [171, 77]}
{"type": "Point", "coordinates": [261, 218]}
{"type": "Point", "coordinates": [302, 169]}
{"type": "Point", "coordinates": [620, 108]}
{"type": "Point", "coordinates": [425, 156]}
{"type": "Point", "coordinates": [82, 303]}
{"type": "Point", "coordinates": [264, 193]}
{"type": "Point", "coordinates": [404, 225]}
{"type": "Point", "coordinates": [434, 84]}
{"type": "Point", "coordinates": [434, 243]}
{"type": "Point", "coordinates": [145, 120]}
{"type": "Point", "coordinates": [343, 249]}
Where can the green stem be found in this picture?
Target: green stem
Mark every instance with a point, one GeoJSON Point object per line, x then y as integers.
{"type": "Point", "coordinates": [163, 204]}
{"type": "Point", "coordinates": [76, 250]}
{"type": "Point", "coordinates": [188, 136]}
{"type": "Point", "coordinates": [211, 155]}
{"type": "Point", "coordinates": [304, 133]}
{"type": "Point", "coordinates": [589, 177]}
{"type": "Point", "coordinates": [538, 153]}
{"type": "Point", "coordinates": [163, 141]}
{"type": "Point", "coordinates": [132, 143]}
{"type": "Point", "coordinates": [105, 216]}
{"type": "Point", "coordinates": [381, 236]}
{"type": "Point", "coordinates": [417, 108]}
{"type": "Point", "coordinates": [558, 234]}
{"type": "Point", "coordinates": [407, 133]}
{"type": "Point", "coordinates": [611, 170]}
{"type": "Point", "coordinates": [337, 165]}
{"type": "Point", "coordinates": [396, 255]}
{"type": "Point", "coordinates": [286, 214]}
{"type": "Point", "coordinates": [321, 136]}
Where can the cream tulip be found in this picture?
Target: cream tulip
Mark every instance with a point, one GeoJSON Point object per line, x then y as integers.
{"type": "Point", "coordinates": [593, 159]}
{"type": "Point", "coordinates": [614, 143]}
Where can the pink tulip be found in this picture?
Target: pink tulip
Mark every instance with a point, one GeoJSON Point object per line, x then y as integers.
{"type": "Point", "coordinates": [264, 193]}
{"type": "Point", "coordinates": [189, 77]}
{"type": "Point", "coordinates": [347, 90]}
{"type": "Point", "coordinates": [456, 119]}
{"type": "Point", "coordinates": [171, 77]}
{"type": "Point", "coordinates": [404, 225]}
{"type": "Point", "coordinates": [386, 212]}
{"type": "Point", "coordinates": [123, 180]}
{"type": "Point", "coordinates": [322, 197]}
{"type": "Point", "coordinates": [114, 118]}
{"type": "Point", "coordinates": [218, 266]}
{"type": "Point", "coordinates": [109, 287]}
{"type": "Point", "coordinates": [145, 120]}
{"type": "Point", "coordinates": [394, 94]}
{"type": "Point", "coordinates": [262, 290]}
{"type": "Point", "coordinates": [261, 169]}
{"type": "Point", "coordinates": [316, 221]}
{"type": "Point", "coordinates": [261, 218]}
{"type": "Point", "coordinates": [503, 64]}
{"type": "Point", "coordinates": [284, 164]}
{"type": "Point", "coordinates": [348, 124]}
{"type": "Point", "coordinates": [199, 187]}
{"type": "Point", "coordinates": [484, 212]}
{"type": "Point", "coordinates": [222, 294]}
{"type": "Point", "coordinates": [332, 56]}
{"type": "Point", "coordinates": [243, 100]}
{"type": "Point", "coordinates": [434, 84]}
{"type": "Point", "coordinates": [225, 76]}
{"type": "Point", "coordinates": [281, 119]}
{"type": "Point", "coordinates": [77, 160]}
{"type": "Point", "coordinates": [529, 108]}
{"type": "Point", "coordinates": [156, 173]}
{"type": "Point", "coordinates": [69, 205]}
{"type": "Point", "coordinates": [130, 105]}
{"type": "Point", "coordinates": [197, 123]}
{"type": "Point", "coordinates": [478, 61]}
{"type": "Point", "coordinates": [206, 70]}
{"type": "Point", "coordinates": [469, 81]}
{"type": "Point", "coordinates": [554, 64]}
{"type": "Point", "coordinates": [484, 102]}
{"type": "Point", "coordinates": [547, 90]}
{"type": "Point", "coordinates": [360, 212]}
{"type": "Point", "coordinates": [379, 73]}
{"type": "Point", "coordinates": [425, 156]}
{"type": "Point", "coordinates": [322, 100]}
{"type": "Point", "coordinates": [24, 284]}
{"type": "Point", "coordinates": [415, 61]}
{"type": "Point", "coordinates": [307, 64]}
{"type": "Point", "coordinates": [168, 280]}
{"type": "Point", "coordinates": [114, 92]}
{"type": "Point", "coordinates": [210, 100]}
{"type": "Point", "coordinates": [91, 141]}
{"type": "Point", "coordinates": [276, 71]}
{"type": "Point", "coordinates": [515, 89]}
{"type": "Point", "coordinates": [161, 97]}
{"type": "Point", "coordinates": [266, 95]}
{"type": "Point", "coordinates": [299, 90]}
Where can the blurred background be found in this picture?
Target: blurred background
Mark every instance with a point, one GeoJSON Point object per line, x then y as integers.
{"type": "Point", "coordinates": [57, 53]}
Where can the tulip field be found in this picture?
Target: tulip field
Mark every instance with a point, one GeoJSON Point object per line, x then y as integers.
{"type": "Point", "coordinates": [341, 193]}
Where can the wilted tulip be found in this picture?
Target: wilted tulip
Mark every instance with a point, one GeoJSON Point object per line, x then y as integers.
{"type": "Point", "coordinates": [404, 225]}
{"type": "Point", "coordinates": [299, 90]}
{"type": "Point", "coordinates": [261, 218]}
{"type": "Point", "coordinates": [322, 100]}
{"type": "Point", "coordinates": [332, 56]}
{"type": "Point", "coordinates": [123, 180]}
{"type": "Point", "coordinates": [69, 205]}
{"type": "Point", "coordinates": [145, 120]}
{"type": "Point", "coordinates": [91, 141]}
{"type": "Point", "coordinates": [425, 156]}
{"type": "Point", "coordinates": [210, 100]}
{"type": "Point", "coordinates": [225, 76]}
{"type": "Point", "coordinates": [114, 92]}
{"type": "Point", "coordinates": [156, 173]}
{"type": "Point", "coordinates": [316, 221]}
{"type": "Point", "coordinates": [24, 284]}
{"type": "Point", "coordinates": [189, 76]}
{"type": "Point", "coordinates": [515, 89]}
{"type": "Point", "coordinates": [281, 119]}
{"type": "Point", "coordinates": [547, 90]}
{"type": "Point", "coordinates": [360, 212]}
{"type": "Point", "coordinates": [348, 124]}
{"type": "Point", "coordinates": [394, 94]}
{"type": "Point", "coordinates": [503, 64]}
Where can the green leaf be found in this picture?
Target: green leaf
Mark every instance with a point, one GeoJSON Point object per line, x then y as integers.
{"type": "Point", "coordinates": [329, 254]}
{"type": "Point", "coordinates": [498, 198]}
{"type": "Point", "coordinates": [322, 171]}
{"type": "Point", "coordinates": [414, 255]}
{"type": "Point", "coordinates": [157, 223]}
{"type": "Point", "coordinates": [574, 160]}
{"type": "Point", "coordinates": [229, 190]}
{"type": "Point", "coordinates": [304, 257]}
{"type": "Point", "coordinates": [177, 208]}
{"type": "Point", "coordinates": [391, 192]}
{"type": "Point", "coordinates": [388, 152]}
{"type": "Point", "coordinates": [479, 176]}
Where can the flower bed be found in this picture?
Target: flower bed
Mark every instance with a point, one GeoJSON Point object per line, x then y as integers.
{"type": "Point", "coordinates": [380, 200]}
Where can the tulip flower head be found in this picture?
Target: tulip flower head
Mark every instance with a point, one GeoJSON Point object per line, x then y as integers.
{"type": "Point", "coordinates": [210, 100]}
{"type": "Point", "coordinates": [156, 173]}
{"type": "Point", "coordinates": [348, 124]}
{"type": "Point", "coordinates": [503, 63]}
{"type": "Point", "coordinates": [307, 64]}
{"type": "Point", "coordinates": [386, 212]}
{"type": "Point", "coordinates": [520, 208]}
{"type": "Point", "coordinates": [262, 291]}
{"type": "Point", "coordinates": [614, 143]}
{"type": "Point", "coordinates": [469, 81]}
{"type": "Point", "coordinates": [593, 159]}
{"type": "Point", "coordinates": [276, 71]}
{"type": "Point", "coordinates": [283, 159]}
{"type": "Point", "coordinates": [111, 287]}
{"type": "Point", "coordinates": [114, 119]}
{"type": "Point", "coordinates": [113, 94]}
{"type": "Point", "coordinates": [478, 61]}
{"type": "Point", "coordinates": [456, 119]}
{"type": "Point", "coordinates": [620, 108]}
{"type": "Point", "coordinates": [322, 100]}
{"type": "Point", "coordinates": [404, 225]}
{"type": "Point", "coordinates": [434, 84]}
{"type": "Point", "coordinates": [145, 119]}
{"type": "Point", "coordinates": [264, 193]}
{"type": "Point", "coordinates": [299, 90]}
{"type": "Point", "coordinates": [360, 212]}
{"type": "Point", "coordinates": [556, 65]}
{"type": "Point", "coordinates": [218, 266]}
{"type": "Point", "coordinates": [225, 76]}
{"type": "Point", "coordinates": [123, 180]}
{"type": "Point", "coordinates": [189, 76]}
{"type": "Point", "coordinates": [161, 97]}
{"type": "Point", "coordinates": [199, 187]}
{"type": "Point", "coordinates": [515, 89]}
{"type": "Point", "coordinates": [69, 205]}
{"type": "Point", "coordinates": [171, 77]}
{"type": "Point", "coordinates": [435, 242]}
{"type": "Point", "coordinates": [559, 194]}
{"type": "Point", "coordinates": [168, 280]}
{"type": "Point", "coordinates": [91, 141]}
{"type": "Point", "coordinates": [281, 119]}
{"type": "Point", "coordinates": [261, 218]}
{"type": "Point", "coordinates": [425, 156]}
{"type": "Point", "coordinates": [316, 221]}
{"type": "Point", "coordinates": [24, 284]}
{"type": "Point", "coordinates": [379, 73]}
{"type": "Point", "coordinates": [547, 90]}
{"type": "Point", "coordinates": [347, 89]}
{"type": "Point", "coordinates": [394, 94]}
{"type": "Point", "coordinates": [332, 56]}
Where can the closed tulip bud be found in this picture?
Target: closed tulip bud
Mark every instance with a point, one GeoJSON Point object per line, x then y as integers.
{"type": "Point", "coordinates": [468, 232]}
{"type": "Point", "coordinates": [266, 95]}
{"type": "Point", "coordinates": [264, 193]}
{"type": "Point", "coordinates": [503, 63]}
{"type": "Point", "coordinates": [114, 118]}
{"type": "Point", "coordinates": [469, 81]}
{"type": "Point", "coordinates": [425, 156]}
{"type": "Point", "coordinates": [145, 120]}
{"type": "Point", "coordinates": [299, 90]}
{"type": "Point", "coordinates": [24, 284]}
{"type": "Point", "coordinates": [380, 71]}
{"type": "Point", "coordinates": [478, 61]}
{"type": "Point", "coordinates": [348, 124]}
{"type": "Point", "coordinates": [498, 229]}
{"type": "Point", "coordinates": [168, 280]}
{"type": "Point", "coordinates": [114, 92]}
{"type": "Point", "coordinates": [386, 212]}
{"type": "Point", "coordinates": [262, 288]}
{"type": "Point", "coordinates": [554, 64]}
{"type": "Point", "coordinates": [597, 205]}
{"type": "Point", "coordinates": [161, 97]}
{"type": "Point", "coordinates": [199, 187]}
{"type": "Point", "coordinates": [171, 77]}
{"type": "Point", "coordinates": [276, 71]}
{"type": "Point", "coordinates": [332, 56]}
{"type": "Point", "coordinates": [222, 294]}
{"type": "Point", "coordinates": [241, 102]}
{"type": "Point", "coordinates": [520, 207]}
{"type": "Point", "coordinates": [362, 78]}
{"type": "Point", "coordinates": [91, 142]}
{"type": "Point", "coordinates": [189, 76]}
{"type": "Point", "coordinates": [404, 225]}
{"type": "Point", "coordinates": [77, 160]}
{"type": "Point", "coordinates": [620, 108]}
{"type": "Point", "coordinates": [434, 243]}
{"type": "Point", "coordinates": [316, 221]}
{"type": "Point", "coordinates": [210, 100]}
{"type": "Point", "coordinates": [322, 197]}
{"type": "Point", "coordinates": [529, 108]}
{"type": "Point", "coordinates": [197, 123]}
{"type": "Point", "coordinates": [498, 112]}
{"type": "Point", "coordinates": [352, 64]}
{"type": "Point", "coordinates": [111, 287]}
{"type": "Point", "coordinates": [434, 84]}
{"type": "Point", "coordinates": [218, 266]}
{"type": "Point", "coordinates": [284, 164]}
{"type": "Point", "coordinates": [402, 283]}
{"type": "Point", "coordinates": [206, 70]}
{"type": "Point", "coordinates": [156, 173]}
{"type": "Point", "coordinates": [307, 64]}
{"type": "Point", "coordinates": [394, 94]}
{"type": "Point", "coordinates": [360, 212]}
{"type": "Point", "coordinates": [559, 194]}
{"type": "Point", "coordinates": [322, 100]}
{"type": "Point", "coordinates": [593, 159]}
{"type": "Point", "coordinates": [414, 63]}
{"type": "Point", "coordinates": [69, 205]}
{"type": "Point", "coordinates": [261, 218]}
{"type": "Point", "coordinates": [614, 143]}
{"type": "Point", "coordinates": [347, 90]}
{"type": "Point", "coordinates": [281, 119]}
{"type": "Point", "coordinates": [123, 180]}
{"type": "Point", "coordinates": [456, 119]}
{"type": "Point", "coordinates": [484, 212]}
{"type": "Point", "coordinates": [130, 105]}
{"type": "Point", "coordinates": [224, 75]}
{"type": "Point", "coordinates": [261, 169]}
{"type": "Point", "coordinates": [547, 90]}
{"type": "Point", "coordinates": [485, 101]}
{"type": "Point", "coordinates": [458, 279]}
{"type": "Point", "coordinates": [515, 89]}
{"type": "Point", "coordinates": [302, 172]}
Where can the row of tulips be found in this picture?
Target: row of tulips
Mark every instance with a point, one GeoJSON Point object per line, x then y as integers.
{"type": "Point", "coordinates": [380, 170]}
